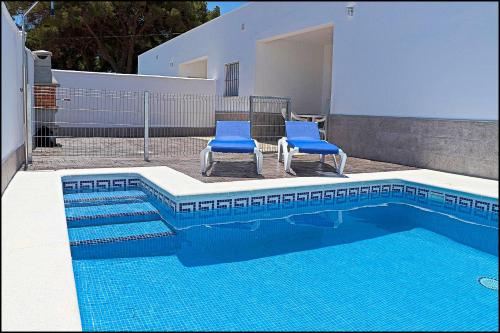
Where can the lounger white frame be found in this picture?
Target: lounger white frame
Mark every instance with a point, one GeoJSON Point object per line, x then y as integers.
{"type": "Point", "coordinates": [206, 158]}
{"type": "Point", "coordinates": [288, 155]}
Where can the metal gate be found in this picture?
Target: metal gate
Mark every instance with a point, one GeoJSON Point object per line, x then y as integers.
{"type": "Point", "coordinates": [267, 116]}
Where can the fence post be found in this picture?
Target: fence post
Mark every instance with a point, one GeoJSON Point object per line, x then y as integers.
{"type": "Point", "coordinates": [288, 109]}
{"type": "Point", "coordinates": [146, 126]}
{"type": "Point", "coordinates": [250, 102]}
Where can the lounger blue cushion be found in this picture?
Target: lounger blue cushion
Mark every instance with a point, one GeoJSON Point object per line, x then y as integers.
{"type": "Point", "coordinates": [302, 131]}
{"type": "Point", "coordinates": [232, 137]}
{"type": "Point", "coordinates": [305, 136]}
{"type": "Point", "coordinates": [314, 147]}
{"type": "Point", "coordinates": [226, 146]}
{"type": "Point", "coordinates": [232, 130]}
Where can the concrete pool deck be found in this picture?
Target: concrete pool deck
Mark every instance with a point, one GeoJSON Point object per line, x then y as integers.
{"type": "Point", "coordinates": [38, 289]}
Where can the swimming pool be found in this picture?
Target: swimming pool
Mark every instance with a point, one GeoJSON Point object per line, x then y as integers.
{"type": "Point", "coordinates": [387, 255]}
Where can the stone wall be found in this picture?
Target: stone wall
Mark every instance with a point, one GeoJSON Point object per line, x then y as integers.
{"type": "Point", "coordinates": [467, 147]}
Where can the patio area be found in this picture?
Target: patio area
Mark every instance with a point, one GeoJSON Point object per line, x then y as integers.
{"type": "Point", "coordinates": [226, 167]}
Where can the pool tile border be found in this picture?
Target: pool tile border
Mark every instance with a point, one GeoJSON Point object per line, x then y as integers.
{"type": "Point", "coordinates": [341, 192]}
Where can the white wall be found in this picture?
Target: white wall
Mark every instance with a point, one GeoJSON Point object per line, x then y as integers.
{"type": "Point", "coordinates": [12, 97]}
{"type": "Point", "coordinates": [436, 60]}
{"type": "Point", "coordinates": [133, 82]}
{"type": "Point", "coordinates": [326, 88]}
{"type": "Point", "coordinates": [291, 69]}
{"type": "Point", "coordinates": [30, 65]}
{"type": "Point", "coordinates": [194, 69]}
{"type": "Point", "coordinates": [88, 99]}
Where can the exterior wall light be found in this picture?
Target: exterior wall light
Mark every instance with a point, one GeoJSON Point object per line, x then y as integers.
{"type": "Point", "coordinates": [242, 26]}
{"type": "Point", "coordinates": [350, 9]}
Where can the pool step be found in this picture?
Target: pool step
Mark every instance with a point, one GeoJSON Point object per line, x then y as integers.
{"type": "Point", "coordinates": [87, 216]}
{"type": "Point", "coordinates": [104, 202]}
{"type": "Point", "coordinates": [118, 232]}
{"type": "Point", "coordinates": [139, 239]}
{"type": "Point", "coordinates": [103, 198]}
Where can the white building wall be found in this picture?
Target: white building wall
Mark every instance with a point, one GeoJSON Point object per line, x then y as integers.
{"type": "Point", "coordinates": [12, 98]}
{"type": "Point", "coordinates": [299, 65]}
{"type": "Point", "coordinates": [403, 59]}
{"type": "Point", "coordinates": [326, 88]}
{"type": "Point", "coordinates": [80, 108]}
{"type": "Point", "coordinates": [436, 60]}
{"type": "Point", "coordinates": [195, 69]}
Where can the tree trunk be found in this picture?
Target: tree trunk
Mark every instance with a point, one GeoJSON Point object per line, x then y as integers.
{"type": "Point", "coordinates": [102, 49]}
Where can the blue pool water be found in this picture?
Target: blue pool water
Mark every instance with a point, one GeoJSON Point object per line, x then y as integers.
{"type": "Point", "coordinates": [389, 264]}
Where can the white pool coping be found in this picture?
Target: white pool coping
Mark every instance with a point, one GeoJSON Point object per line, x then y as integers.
{"type": "Point", "coordinates": [38, 289]}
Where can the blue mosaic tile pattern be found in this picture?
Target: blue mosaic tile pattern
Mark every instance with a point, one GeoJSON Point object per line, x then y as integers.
{"type": "Point", "coordinates": [94, 184]}
{"type": "Point", "coordinates": [85, 216]}
{"type": "Point", "coordinates": [104, 211]}
{"type": "Point", "coordinates": [157, 244]}
{"type": "Point", "coordinates": [102, 196]}
{"type": "Point", "coordinates": [368, 274]}
{"type": "Point", "coordinates": [309, 259]}
{"type": "Point", "coordinates": [117, 230]}
{"type": "Point", "coordinates": [114, 201]}
{"type": "Point", "coordinates": [159, 194]}
{"type": "Point", "coordinates": [120, 239]}
{"type": "Point", "coordinates": [352, 192]}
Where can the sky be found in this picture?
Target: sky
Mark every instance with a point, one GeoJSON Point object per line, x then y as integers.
{"type": "Point", "coordinates": [225, 6]}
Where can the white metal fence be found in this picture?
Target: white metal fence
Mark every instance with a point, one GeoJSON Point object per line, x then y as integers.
{"type": "Point", "coordinates": [91, 122]}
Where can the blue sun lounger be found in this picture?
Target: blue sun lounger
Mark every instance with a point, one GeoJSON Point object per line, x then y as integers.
{"type": "Point", "coordinates": [231, 137]}
{"type": "Point", "coordinates": [303, 137]}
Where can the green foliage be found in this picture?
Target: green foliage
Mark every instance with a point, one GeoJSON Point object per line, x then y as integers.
{"type": "Point", "coordinates": [107, 36]}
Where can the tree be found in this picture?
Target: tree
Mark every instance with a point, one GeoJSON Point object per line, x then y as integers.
{"type": "Point", "coordinates": [107, 35]}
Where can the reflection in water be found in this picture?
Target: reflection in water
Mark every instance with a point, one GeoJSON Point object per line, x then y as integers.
{"type": "Point", "coordinates": [236, 241]}
{"type": "Point", "coordinates": [327, 219]}
{"type": "Point", "coordinates": [231, 235]}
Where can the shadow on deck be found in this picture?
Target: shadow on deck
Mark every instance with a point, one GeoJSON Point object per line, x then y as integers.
{"type": "Point", "coordinates": [182, 154]}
